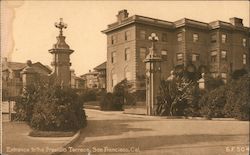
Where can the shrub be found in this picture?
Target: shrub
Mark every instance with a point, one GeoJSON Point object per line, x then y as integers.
{"type": "Point", "coordinates": [238, 73]}
{"type": "Point", "coordinates": [109, 102]}
{"type": "Point", "coordinates": [213, 83]}
{"type": "Point", "coordinates": [89, 95]}
{"type": "Point", "coordinates": [26, 102]}
{"type": "Point", "coordinates": [213, 103]}
{"type": "Point", "coordinates": [58, 110]}
{"type": "Point", "coordinates": [174, 96]}
{"type": "Point", "coordinates": [237, 104]}
{"type": "Point", "coordinates": [50, 108]}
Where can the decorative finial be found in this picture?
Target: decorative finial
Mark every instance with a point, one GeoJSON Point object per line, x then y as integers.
{"type": "Point", "coordinates": [203, 75]}
{"type": "Point", "coordinates": [29, 63]}
{"type": "Point", "coordinates": [61, 25]}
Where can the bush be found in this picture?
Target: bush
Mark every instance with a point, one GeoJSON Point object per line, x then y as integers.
{"type": "Point", "coordinates": [52, 109]}
{"type": "Point", "coordinates": [25, 103]}
{"type": "Point", "coordinates": [237, 102]}
{"type": "Point", "coordinates": [121, 96]}
{"type": "Point", "coordinates": [89, 95]}
{"type": "Point", "coordinates": [238, 73]}
{"type": "Point", "coordinates": [213, 83]}
{"type": "Point", "coordinates": [110, 102]}
{"type": "Point", "coordinates": [174, 97]}
{"type": "Point", "coordinates": [212, 103]}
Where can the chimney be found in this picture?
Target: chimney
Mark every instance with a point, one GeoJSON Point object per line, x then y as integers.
{"type": "Point", "coordinates": [123, 14]}
{"type": "Point", "coordinates": [236, 21]}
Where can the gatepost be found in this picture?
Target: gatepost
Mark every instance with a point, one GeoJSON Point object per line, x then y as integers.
{"type": "Point", "coordinates": [153, 76]}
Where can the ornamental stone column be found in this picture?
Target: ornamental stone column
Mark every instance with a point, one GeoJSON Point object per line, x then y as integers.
{"type": "Point", "coordinates": [153, 76]}
{"type": "Point", "coordinates": [61, 51]}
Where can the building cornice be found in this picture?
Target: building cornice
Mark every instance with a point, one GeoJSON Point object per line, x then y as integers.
{"type": "Point", "coordinates": [185, 22]}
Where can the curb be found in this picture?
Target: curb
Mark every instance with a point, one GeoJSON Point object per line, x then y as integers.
{"type": "Point", "coordinates": [73, 140]}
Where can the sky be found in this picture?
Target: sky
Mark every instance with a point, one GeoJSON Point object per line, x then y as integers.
{"type": "Point", "coordinates": [28, 30]}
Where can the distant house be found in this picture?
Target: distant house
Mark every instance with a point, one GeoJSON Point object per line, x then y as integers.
{"type": "Point", "coordinates": [77, 82]}
{"type": "Point", "coordinates": [101, 69]}
{"type": "Point", "coordinates": [91, 79]}
{"type": "Point", "coordinates": [12, 78]}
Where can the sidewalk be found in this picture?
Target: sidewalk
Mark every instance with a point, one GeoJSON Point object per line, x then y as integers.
{"type": "Point", "coordinates": [17, 142]}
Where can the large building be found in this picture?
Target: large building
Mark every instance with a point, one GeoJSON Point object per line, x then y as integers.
{"type": "Point", "coordinates": [218, 47]}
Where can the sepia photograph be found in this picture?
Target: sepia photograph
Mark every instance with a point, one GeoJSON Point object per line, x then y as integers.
{"type": "Point", "coordinates": [125, 77]}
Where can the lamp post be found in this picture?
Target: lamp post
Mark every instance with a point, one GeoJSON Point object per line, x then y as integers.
{"type": "Point", "coordinates": [153, 76]}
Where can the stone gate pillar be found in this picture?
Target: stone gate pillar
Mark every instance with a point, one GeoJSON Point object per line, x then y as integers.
{"type": "Point", "coordinates": [153, 76]}
{"type": "Point", "coordinates": [28, 75]}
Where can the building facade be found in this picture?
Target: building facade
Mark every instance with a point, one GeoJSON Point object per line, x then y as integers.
{"type": "Point", "coordinates": [14, 78]}
{"type": "Point", "coordinates": [218, 47]}
{"type": "Point", "coordinates": [101, 69]}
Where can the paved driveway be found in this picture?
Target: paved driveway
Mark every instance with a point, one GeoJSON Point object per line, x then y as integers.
{"type": "Point", "coordinates": [116, 133]}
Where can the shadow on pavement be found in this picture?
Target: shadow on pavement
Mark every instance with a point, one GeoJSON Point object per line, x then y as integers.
{"type": "Point", "coordinates": [150, 142]}
{"type": "Point", "coordinates": [97, 128]}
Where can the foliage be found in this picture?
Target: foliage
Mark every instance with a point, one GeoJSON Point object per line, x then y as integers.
{"type": "Point", "coordinates": [121, 96]}
{"type": "Point", "coordinates": [238, 73]}
{"type": "Point", "coordinates": [212, 103]}
{"type": "Point", "coordinates": [89, 95]}
{"type": "Point", "coordinates": [237, 102]}
{"type": "Point", "coordinates": [213, 83]}
{"type": "Point", "coordinates": [174, 96]}
{"type": "Point", "coordinates": [51, 109]}
{"type": "Point", "coordinates": [25, 103]}
{"type": "Point", "coordinates": [108, 102]}
{"type": "Point", "coordinates": [193, 106]}
{"type": "Point", "coordinates": [230, 100]}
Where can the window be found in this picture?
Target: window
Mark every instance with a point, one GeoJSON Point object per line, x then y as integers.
{"type": "Point", "coordinates": [142, 34]}
{"type": "Point", "coordinates": [244, 60]}
{"type": "Point", "coordinates": [195, 37]}
{"type": "Point", "coordinates": [224, 75]}
{"type": "Point", "coordinates": [214, 75]}
{"type": "Point", "coordinates": [128, 75]}
{"type": "Point", "coordinates": [179, 57]}
{"type": "Point", "coordinates": [213, 38]}
{"type": "Point", "coordinates": [223, 38]}
{"type": "Point", "coordinates": [164, 37]}
{"type": "Point", "coordinates": [127, 35]}
{"type": "Point", "coordinates": [223, 55]}
{"type": "Point", "coordinates": [113, 39]}
{"type": "Point", "coordinates": [143, 51]}
{"type": "Point", "coordinates": [113, 57]}
{"type": "Point", "coordinates": [244, 42]}
{"type": "Point", "coordinates": [164, 55]}
{"type": "Point", "coordinates": [179, 37]}
{"type": "Point", "coordinates": [213, 56]}
{"type": "Point", "coordinates": [127, 54]}
{"type": "Point", "coordinates": [195, 57]}
{"type": "Point", "coordinates": [114, 80]}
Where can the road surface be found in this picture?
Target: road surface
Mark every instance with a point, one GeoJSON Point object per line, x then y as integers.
{"type": "Point", "coordinates": [123, 134]}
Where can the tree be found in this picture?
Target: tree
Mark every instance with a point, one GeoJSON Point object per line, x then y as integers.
{"type": "Point", "coordinates": [174, 96]}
